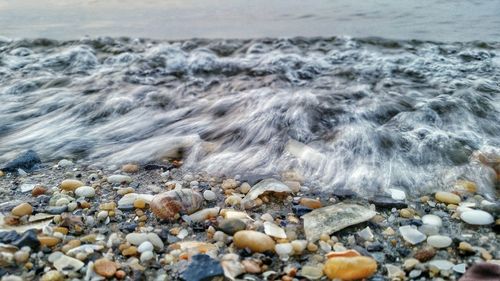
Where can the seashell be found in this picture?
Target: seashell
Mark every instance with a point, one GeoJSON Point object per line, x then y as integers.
{"type": "Point", "coordinates": [167, 204]}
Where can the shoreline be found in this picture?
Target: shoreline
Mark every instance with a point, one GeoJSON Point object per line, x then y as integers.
{"type": "Point", "coordinates": [115, 235]}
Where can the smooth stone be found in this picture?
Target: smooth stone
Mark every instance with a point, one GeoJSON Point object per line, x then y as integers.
{"type": "Point", "coordinates": [129, 199]}
{"type": "Point", "coordinates": [64, 163]}
{"type": "Point", "coordinates": [155, 240]}
{"type": "Point", "coordinates": [136, 238]}
{"type": "Point", "coordinates": [24, 161]}
{"type": "Point", "coordinates": [204, 214]}
{"type": "Point", "coordinates": [253, 240]}
{"type": "Point", "coordinates": [201, 268]}
{"type": "Point", "coordinates": [130, 168]}
{"type": "Point", "coordinates": [70, 185]}
{"type": "Point", "coordinates": [432, 220]}
{"type": "Point", "coordinates": [65, 263]}
{"type": "Point", "coordinates": [284, 250]}
{"type": "Point", "coordinates": [441, 264]}
{"type": "Point", "coordinates": [145, 246]}
{"type": "Point", "coordinates": [460, 268]}
{"type": "Point", "coordinates": [397, 194]}
{"type": "Point", "coordinates": [209, 195]}
{"type": "Point", "coordinates": [28, 238]}
{"type": "Point", "coordinates": [105, 267]}
{"type": "Point", "coordinates": [231, 226]}
{"type": "Point", "coordinates": [439, 241]}
{"type": "Point", "coordinates": [350, 268]}
{"type": "Point", "coordinates": [447, 197]}
{"type": "Point", "coordinates": [411, 235]}
{"type": "Point", "coordinates": [119, 179]}
{"type": "Point", "coordinates": [334, 218]}
{"type": "Point", "coordinates": [146, 256]}
{"type": "Point", "coordinates": [85, 191]}
{"type": "Point", "coordinates": [52, 275]}
{"type": "Point", "coordinates": [425, 254]}
{"type": "Point", "coordinates": [477, 217]}
{"type": "Point", "coordinates": [312, 272]}
{"type": "Point", "coordinates": [387, 202]}
{"type": "Point", "coordinates": [428, 229]}
{"type": "Point", "coordinates": [23, 209]}
{"type": "Point", "coordinates": [273, 230]}
{"type": "Point", "coordinates": [394, 272]}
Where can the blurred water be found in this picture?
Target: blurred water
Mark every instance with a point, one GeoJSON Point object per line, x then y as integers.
{"type": "Point", "coordinates": [365, 114]}
{"type": "Point", "coordinates": [438, 20]}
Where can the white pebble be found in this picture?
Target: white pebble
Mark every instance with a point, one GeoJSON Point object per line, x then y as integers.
{"type": "Point", "coordinates": [477, 217]}
{"type": "Point", "coordinates": [145, 247]}
{"type": "Point", "coordinates": [85, 191]}
{"type": "Point", "coordinates": [118, 179]}
{"type": "Point", "coordinates": [432, 220]}
{"type": "Point", "coordinates": [411, 235]}
{"type": "Point", "coordinates": [439, 241]}
{"type": "Point", "coordinates": [397, 194]}
{"type": "Point", "coordinates": [284, 250]}
{"type": "Point", "coordinates": [209, 195]}
{"type": "Point", "coordinates": [102, 215]}
{"type": "Point", "coordinates": [147, 256]}
{"type": "Point", "coordinates": [62, 202]}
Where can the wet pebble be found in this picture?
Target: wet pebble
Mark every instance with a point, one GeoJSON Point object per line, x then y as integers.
{"type": "Point", "coordinates": [231, 226]}
{"type": "Point", "coordinates": [253, 240]}
{"type": "Point", "coordinates": [209, 195]}
{"type": "Point", "coordinates": [105, 267]}
{"type": "Point", "coordinates": [411, 235]}
{"type": "Point", "coordinates": [447, 197]}
{"type": "Point", "coordinates": [85, 192]}
{"type": "Point", "coordinates": [439, 241]}
{"type": "Point", "coordinates": [23, 209]}
{"type": "Point", "coordinates": [477, 217]}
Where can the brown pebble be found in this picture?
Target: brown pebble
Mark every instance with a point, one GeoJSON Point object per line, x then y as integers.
{"type": "Point", "coordinates": [61, 229]}
{"type": "Point", "coordinates": [1, 173]}
{"type": "Point", "coordinates": [38, 190]}
{"type": "Point", "coordinates": [139, 203]}
{"type": "Point", "coordinates": [120, 274]}
{"type": "Point", "coordinates": [310, 203]}
{"type": "Point", "coordinates": [425, 254]}
{"type": "Point", "coordinates": [52, 275]}
{"type": "Point", "coordinates": [105, 267]}
{"type": "Point", "coordinates": [23, 209]}
{"type": "Point", "coordinates": [11, 220]}
{"type": "Point", "coordinates": [130, 168]}
{"type": "Point", "coordinates": [70, 185]}
{"type": "Point", "coordinates": [48, 241]}
{"type": "Point", "coordinates": [251, 266]}
{"type": "Point", "coordinates": [130, 251]}
{"type": "Point", "coordinates": [253, 240]}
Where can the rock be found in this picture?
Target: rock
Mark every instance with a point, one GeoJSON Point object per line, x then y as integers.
{"type": "Point", "coordinates": [334, 218]}
{"type": "Point", "coordinates": [411, 234]}
{"type": "Point", "coordinates": [273, 230]}
{"type": "Point", "coordinates": [310, 203]}
{"type": "Point", "coordinates": [350, 268]}
{"type": "Point", "coordinates": [168, 204]}
{"type": "Point", "coordinates": [425, 254]}
{"type": "Point", "coordinates": [283, 250]}
{"type": "Point", "coordinates": [209, 195]}
{"type": "Point", "coordinates": [52, 275]}
{"type": "Point", "coordinates": [447, 197]}
{"type": "Point", "coordinates": [366, 234]}
{"type": "Point", "coordinates": [264, 186]}
{"type": "Point", "coordinates": [145, 247]}
{"type": "Point", "coordinates": [1, 173]}
{"type": "Point", "coordinates": [477, 217]}
{"type": "Point", "coordinates": [119, 179]}
{"type": "Point", "coordinates": [312, 272]}
{"type": "Point", "coordinates": [48, 241]}
{"type": "Point", "coordinates": [252, 267]}
{"type": "Point", "coordinates": [25, 161]}
{"type": "Point", "coordinates": [23, 209]}
{"type": "Point", "coordinates": [65, 263]}
{"type": "Point", "coordinates": [432, 220]}
{"type": "Point", "coordinates": [387, 202]}
{"type": "Point", "coordinates": [397, 194]}
{"type": "Point", "coordinates": [64, 163]}
{"type": "Point", "coordinates": [136, 238]}
{"type": "Point", "coordinates": [27, 187]}
{"type": "Point", "coordinates": [130, 168]}
{"type": "Point", "coordinates": [231, 226]}
{"type": "Point", "coordinates": [85, 192]}
{"type": "Point", "coordinates": [394, 272]}
{"type": "Point", "coordinates": [460, 268]}
{"type": "Point", "coordinates": [439, 241]}
{"type": "Point", "coordinates": [21, 257]}
{"type": "Point", "coordinates": [28, 238]}
{"type": "Point", "coordinates": [204, 214]}
{"type": "Point", "coordinates": [202, 268]}
{"type": "Point", "coordinates": [300, 210]}
{"type": "Point", "coordinates": [139, 203]}
{"type": "Point", "coordinates": [146, 256]}
{"type": "Point", "coordinates": [70, 185]}
{"type": "Point", "coordinates": [38, 190]}
{"type": "Point", "coordinates": [105, 267]}
{"type": "Point", "coordinates": [482, 272]}
{"type": "Point", "coordinates": [253, 240]}
{"type": "Point", "coordinates": [428, 229]}
{"type": "Point", "coordinates": [442, 265]}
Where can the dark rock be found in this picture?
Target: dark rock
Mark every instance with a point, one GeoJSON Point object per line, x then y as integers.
{"type": "Point", "coordinates": [231, 226]}
{"type": "Point", "coordinates": [7, 237]}
{"type": "Point", "coordinates": [482, 272]}
{"type": "Point", "coordinates": [128, 227]}
{"type": "Point", "coordinates": [149, 167]}
{"type": "Point", "coordinates": [375, 247]}
{"type": "Point", "coordinates": [300, 210]}
{"type": "Point", "coordinates": [202, 268]}
{"type": "Point", "coordinates": [425, 254]}
{"type": "Point", "coordinates": [387, 202]}
{"type": "Point", "coordinates": [343, 193]}
{"type": "Point", "coordinates": [56, 210]}
{"type": "Point", "coordinates": [493, 209]}
{"type": "Point", "coordinates": [411, 222]}
{"type": "Point", "coordinates": [25, 161]}
{"type": "Point", "coordinates": [28, 238]}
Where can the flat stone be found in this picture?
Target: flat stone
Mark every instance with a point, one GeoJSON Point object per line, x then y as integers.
{"type": "Point", "coordinates": [411, 234]}
{"type": "Point", "coordinates": [28, 238]}
{"type": "Point", "coordinates": [439, 241]}
{"type": "Point", "coordinates": [387, 202]}
{"type": "Point", "coordinates": [273, 230]}
{"type": "Point", "coordinates": [350, 268]}
{"type": "Point", "coordinates": [119, 179]}
{"type": "Point", "coordinates": [201, 268]}
{"type": "Point", "coordinates": [65, 263]}
{"type": "Point", "coordinates": [264, 186]}
{"type": "Point", "coordinates": [334, 218]}
{"type": "Point", "coordinates": [27, 187]}
{"type": "Point", "coordinates": [477, 217]}
{"type": "Point", "coordinates": [209, 195]}
{"type": "Point", "coordinates": [441, 264]}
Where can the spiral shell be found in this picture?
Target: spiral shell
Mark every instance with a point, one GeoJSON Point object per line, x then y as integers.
{"type": "Point", "coordinates": [167, 204]}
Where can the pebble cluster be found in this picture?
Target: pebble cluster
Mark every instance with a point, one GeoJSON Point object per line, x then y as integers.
{"type": "Point", "coordinates": [155, 222]}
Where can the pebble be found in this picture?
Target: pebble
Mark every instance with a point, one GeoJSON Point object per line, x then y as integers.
{"type": "Point", "coordinates": [146, 256]}
{"type": "Point", "coordinates": [102, 215]}
{"type": "Point", "coordinates": [432, 220]}
{"type": "Point", "coordinates": [130, 168]}
{"type": "Point", "coordinates": [28, 238]}
{"type": "Point", "coordinates": [48, 241]}
{"type": "Point", "coordinates": [21, 257]}
{"type": "Point", "coordinates": [350, 268]}
{"type": "Point", "coordinates": [439, 241]}
{"type": "Point", "coordinates": [70, 185]}
{"type": "Point", "coordinates": [139, 203]}
{"type": "Point", "coordinates": [255, 241]}
{"type": "Point", "coordinates": [312, 272]}
{"type": "Point", "coordinates": [477, 217]}
{"type": "Point", "coordinates": [394, 272]}
{"type": "Point", "coordinates": [273, 230]}
{"type": "Point", "coordinates": [251, 266]}
{"type": "Point", "coordinates": [441, 264]}
{"type": "Point", "coordinates": [209, 195]}
{"type": "Point", "coordinates": [105, 267]}
{"type": "Point", "coordinates": [202, 267]}
{"type": "Point", "coordinates": [23, 209]}
{"type": "Point", "coordinates": [284, 250]}
{"type": "Point", "coordinates": [425, 254]}
{"type": "Point", "coordinates": [397, 194]}
{"type": "Point", "coordinates": [231, 226]}
{"type": "Point", "coordinates": [411, 234]}
{"type": "Point", "coordinates": [52, 275]}
{"type": "Point", "coordinates": [366, 234]}
{"type": "Point", "coordinates": [145, 247]}
{"type": "Point", "coordinates": [27, 187]}
{"type": "Point", "coordinates": [310, 203]}
{"type": "Point", "coordinates": [65, 263]}
{"type": "Point", "coordinates": [119, 179]}
{"type": "Point", "coordinates": [85, 192]}
{"type": "Point", "coordinates": [460, 268]}
{"type": "Point", "coordinates": [38, 190]}
{"type": "Point", "coordinates": [447, 197]}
